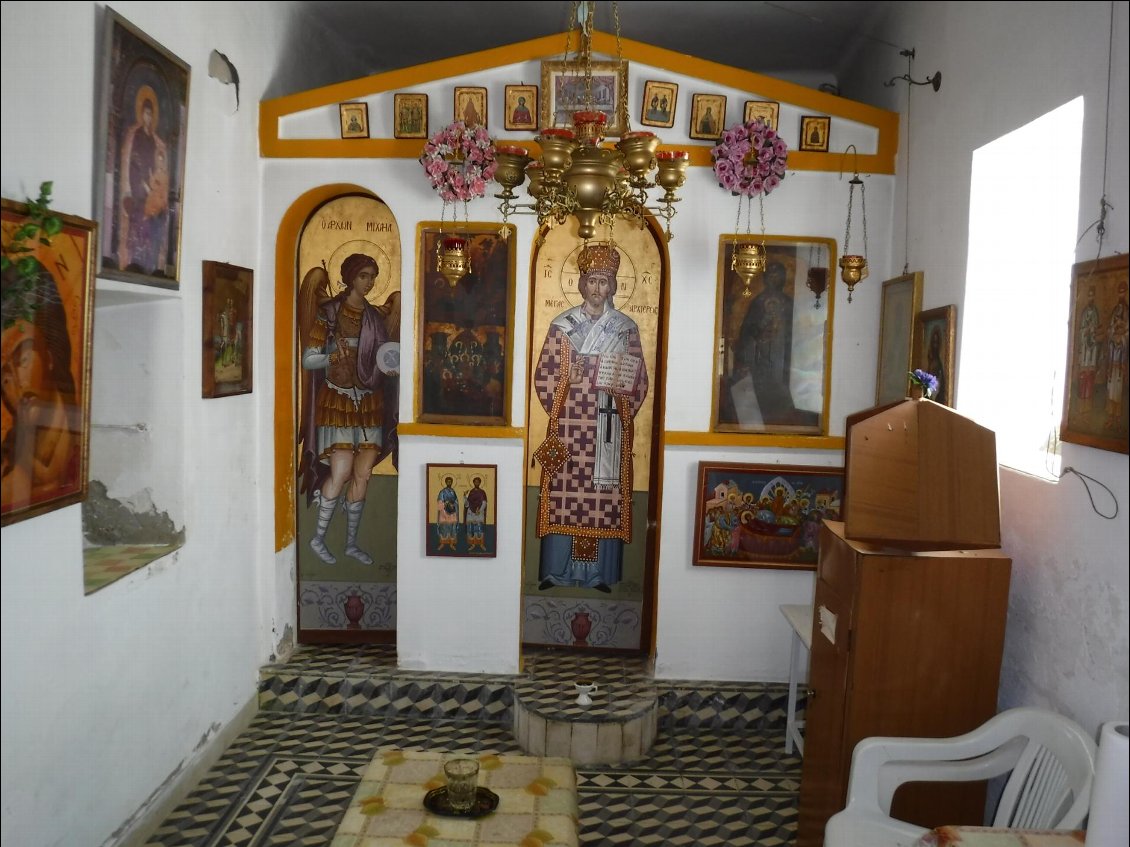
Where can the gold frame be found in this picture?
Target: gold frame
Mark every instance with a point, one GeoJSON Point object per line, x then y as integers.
{"type": "Point", "coordinates": [354, 111]}
{"type": "Point", "coordinates": [736, 406]}
{"type": "Point", "coordinates": [437, 303]}
{"type": "Point", "coordinates": [70, 260]}
{"type": "Point", "coordinates": [554, 113]}
{"type": "Point", "coordinates": [701, 102]}
{"type": "Point", "coordinates": [1107, 280]}
{"type": "Point", "coordinates": [944, 319]}
{"type": "Point", "coordinates": [768, 111]}
{"type": "Point", "coordinates": [651, 89]}
{"type": "Point", "coordinates": [511, 93]}
{"type": "Point", "coordinates": [898, 315]}
{"type": "Point", "coordinates": [409, 99]}
{"type": "Point", "coordinates": [476, 97]}
{"type": "Point", "coordinates": [821, 125]}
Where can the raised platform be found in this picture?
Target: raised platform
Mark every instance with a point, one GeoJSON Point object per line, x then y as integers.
{"type": "Point", "coordinates": [620, 725]}
{"type": "Point", "coordinates": [717, 772]}
{"type": "Point", "coordinates": [364, 680]}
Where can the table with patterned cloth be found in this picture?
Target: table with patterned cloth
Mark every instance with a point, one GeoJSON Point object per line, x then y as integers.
{"type": "Point", "coordinates": [537, 803]}
{"type": "Point", "coordinates": [987, 836]}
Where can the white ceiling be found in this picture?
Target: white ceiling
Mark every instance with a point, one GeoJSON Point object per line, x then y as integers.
{"type": "Point", "coordinates": [805, 42]}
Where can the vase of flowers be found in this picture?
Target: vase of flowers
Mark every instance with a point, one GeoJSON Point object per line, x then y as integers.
{"type": "Point", "coordinates": [923, 385]}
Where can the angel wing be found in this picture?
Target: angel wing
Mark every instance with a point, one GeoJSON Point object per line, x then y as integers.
{"type": "Point", "coordinates": [390, 311]}
{"type": "Point", "coordinates": [315, 289]}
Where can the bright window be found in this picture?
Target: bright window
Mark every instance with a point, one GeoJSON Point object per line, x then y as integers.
{"type": "Point", "coordinates": [1023, 215]}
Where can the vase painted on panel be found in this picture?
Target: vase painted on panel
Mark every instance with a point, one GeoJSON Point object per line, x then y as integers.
{"type": "Point", "coordinates": [354, 609]}
{"type": "Point", "coordinates": [581, 625]}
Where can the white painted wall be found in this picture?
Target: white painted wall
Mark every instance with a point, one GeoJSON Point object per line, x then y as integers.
{"type": "Point", "coordinates": [713, 623]}
{"type": "Point", "coordinates": [134, 680]}
{"type": "Point", "coordinates": [1066, 643]}
{"type": "Point", "coordinates": [108, 697]}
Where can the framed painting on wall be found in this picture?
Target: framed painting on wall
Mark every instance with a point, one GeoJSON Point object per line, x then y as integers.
{"type": "Point", "coordinates": [139, 171]}
{"type": "Point", "coordinates": [902, 298]}
{"type": "Point", "coordinates": [461, 511]}
{"type": "Point", "coordinates": [227, 323]}
{"type": "Point", "coordinates": [464, 331]}
{"type": "Point", "coordinates": [814, 133]}
{"type": "Point", "coordinates": [410, 116]}
{"type": "Point", "coordinates": [767, 111]}
{"type": "Point", "coordinates": [763, 516]}
{"type": "Point", "coordinates": [708, 116]}
{"type": "Point", "coordinates": [521, 107]}
{"type": "Point", "coordinates": [48, 300]}
{"type": "Point", "coordinates": [354, 120]}
{"type": "Point", "coordinates": [471, 105]}
{"type": "Point", "coordinates": [659, 100]}
{"type": "Point", "coordinates": [563, 92]}
{"type": "Point", "coordinates": [934, 332]}
{"type": "Point", "coordinates": [1095, 401]}
{"type": "Point", "coordinates": [773, 337]}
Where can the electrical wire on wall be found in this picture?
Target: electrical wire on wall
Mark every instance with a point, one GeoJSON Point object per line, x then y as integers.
{"type": "Point", "coordinates": [1100, 230]}
{"type": "Point", "coordinates": [935, 82]}
{"type": "Point", "coordinates": [1100, 225]}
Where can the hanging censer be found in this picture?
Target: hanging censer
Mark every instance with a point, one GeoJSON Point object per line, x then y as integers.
{"type": "Point", "coordinates": [853, 266]}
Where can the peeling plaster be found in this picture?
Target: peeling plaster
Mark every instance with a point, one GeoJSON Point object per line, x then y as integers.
{"type": "Point", "coordinates": [136, 520]}
{"type": "Point", "coordinates": [285, 645]}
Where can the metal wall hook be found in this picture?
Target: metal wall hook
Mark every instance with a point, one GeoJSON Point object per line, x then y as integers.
{"type": "Point", "coordinates": [855, 164]}
{"type": "Point", "coordinates": [935, 80]}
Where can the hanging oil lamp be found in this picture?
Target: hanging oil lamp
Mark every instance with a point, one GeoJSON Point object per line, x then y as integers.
{"type": "Point", "coordinates": [748, 262]}
{"type": "Point", "coordinates": [853, 266]}
{"type": "Point", "coordinates": [451, 258]}
{"type": "Point", "coordinates": [817, 279]}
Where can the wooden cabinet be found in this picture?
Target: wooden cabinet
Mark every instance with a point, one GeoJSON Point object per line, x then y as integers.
{"type": "Point", "coordinates": [903, 643]}
{"type": "Point", "coordinates": [920, 476]}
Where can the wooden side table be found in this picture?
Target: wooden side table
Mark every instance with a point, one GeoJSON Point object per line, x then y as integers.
{"type": "Point", "coordinates": [800, 619]}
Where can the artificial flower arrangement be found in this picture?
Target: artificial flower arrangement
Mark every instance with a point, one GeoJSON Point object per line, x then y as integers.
{"type": "Point", "coordinates": [459, 161]}
{"type": "Point", "coordinates": [926, 381]}
{"type": "Point", "coordinates": [750, 159]}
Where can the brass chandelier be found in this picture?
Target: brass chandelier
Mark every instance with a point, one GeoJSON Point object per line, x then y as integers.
{"type": "Point", "coordinates": [576, 176]}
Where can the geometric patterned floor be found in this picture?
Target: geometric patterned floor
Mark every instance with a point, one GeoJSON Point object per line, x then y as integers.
{"type": "Point", "coordinates": [717, 773]}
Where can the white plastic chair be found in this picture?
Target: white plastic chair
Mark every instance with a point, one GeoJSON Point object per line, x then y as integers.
{"type": "Point", "coordinates": [1051, 759]}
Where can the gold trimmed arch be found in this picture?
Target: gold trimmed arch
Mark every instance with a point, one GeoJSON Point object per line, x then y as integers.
{"type": "Point", "coordinates": [286, 328]}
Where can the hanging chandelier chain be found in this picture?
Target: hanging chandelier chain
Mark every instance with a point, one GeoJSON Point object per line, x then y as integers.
{"type": "Point", "coordinates": [761, 209]}
{"type": "Point", "coordinates": [575, 174]}
{"type": "Point", "coordinates": [847, 228]}
{"type": "Point", "coordinates": [586, 12]}
{"type": "Point", "coordinates": [738, 219]}
{"type": "Point", "coordinates": [620, 55]}
{"type": "Point", "coordinates": [906, 219]}
{"type": "Point", "coordinates": [863, 206]}
{"type": "Point", "coordinates": [569, 30]}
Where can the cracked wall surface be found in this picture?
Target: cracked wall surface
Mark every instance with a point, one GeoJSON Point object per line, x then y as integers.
{"type": "Point", "coordinates": [107, 521]}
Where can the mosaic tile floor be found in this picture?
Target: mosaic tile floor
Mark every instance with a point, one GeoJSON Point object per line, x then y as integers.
{"type": "Point", "coordinates": [716, 775]}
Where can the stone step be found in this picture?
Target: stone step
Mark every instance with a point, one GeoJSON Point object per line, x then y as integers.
{"type": "Point", "coordinates": [365, 680]}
